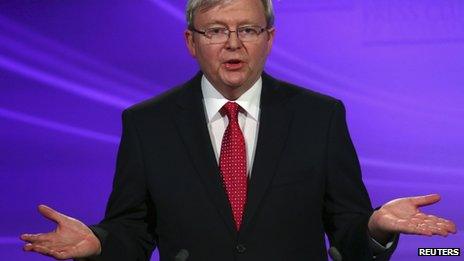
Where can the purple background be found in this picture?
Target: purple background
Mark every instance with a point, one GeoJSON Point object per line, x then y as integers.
{"type": "Point", "coordinates": [68, 69]}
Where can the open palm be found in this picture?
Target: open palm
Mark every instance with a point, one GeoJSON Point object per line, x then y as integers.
{"type": "Point", "coordinates": [70, 239]}
{"type": "Point", "coordinates": [404, 216]}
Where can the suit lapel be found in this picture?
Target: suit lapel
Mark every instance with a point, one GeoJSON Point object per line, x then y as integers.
{"type": "Point", "coordinates": [192, 126]}
{"type": "Point", "coordinates": [273, 128]}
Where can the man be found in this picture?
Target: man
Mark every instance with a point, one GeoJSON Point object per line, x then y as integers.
{"type": "Point", "coordinates": [236, 165]}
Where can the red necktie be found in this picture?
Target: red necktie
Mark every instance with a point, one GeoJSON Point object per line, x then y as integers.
{"type": "Point", "coordinates": [232, 163]}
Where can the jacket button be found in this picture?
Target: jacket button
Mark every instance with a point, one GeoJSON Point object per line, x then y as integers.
{"type": "Point", "coordinates": [240, 248]}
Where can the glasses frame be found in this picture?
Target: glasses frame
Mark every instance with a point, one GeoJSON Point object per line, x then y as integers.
{"type": "Point", "coordinates": [261, 30]}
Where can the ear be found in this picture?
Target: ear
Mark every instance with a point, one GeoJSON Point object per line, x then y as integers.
{"type": "Point", "coordinates": [189, 41]}
{"type": "Point", "coordinates": [270, 39]}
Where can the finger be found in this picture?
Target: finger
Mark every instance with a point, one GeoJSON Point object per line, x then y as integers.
{"type": "Point", "coordinates": [48, 251]}
{"type": "Point", "coordinates": [50, 213]}
{"type": "Point", "coordinates": [452, 228]}
{"type": "Point", "coordinates": [39, 249]}
{"type": "Point", "coordinates": [431, 225]}
{"type": "Point", "coordinates": [446, 221]}
{"type": "Point", "coordinates": [444, 227]}
{"type": "Point", "coordinates": [437, 230]}
{"type": "Point", "coordinates": [32, 246]}
{"type": "Point", "coordinates": [416, 221]}
{"type": "Point", "coordinates": [431, 220]}
{"type": "Point", "coordinates": [425, 200]}
{"type": "Point", "coordinates": [411, 227]}
{"type": "Point", "coordinates": [27, 247]}
{"type": "Point", "coordinates": [33, 238]}
{"type": "Point", "coordinates": [419, 229]}
{"type": "Point", "coordinates": [445, 224]}
{"type": "Point", "coordinates": [429, 228]}
{"type": "Point", "coordinates": [435, 219]}
{"type": "Point", "coordinates": [449, 225]}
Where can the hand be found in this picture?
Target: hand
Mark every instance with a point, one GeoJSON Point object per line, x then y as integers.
{"type": "Point", "coordinates": [70, 239]}
{"type": "Point", "coordinates": [403, 216]}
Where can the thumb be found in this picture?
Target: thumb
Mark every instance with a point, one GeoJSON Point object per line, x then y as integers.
{"type": "Point", "coordinates": [50, 213]}
{"type": "Point", "coordinates": [426, 200]}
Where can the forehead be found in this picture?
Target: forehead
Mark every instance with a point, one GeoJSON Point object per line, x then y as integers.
{"type": "Point", "coordinates": [232, 12]}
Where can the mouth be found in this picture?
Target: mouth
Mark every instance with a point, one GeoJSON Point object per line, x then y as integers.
{"type": "Point", "coordinates": [233, 64]}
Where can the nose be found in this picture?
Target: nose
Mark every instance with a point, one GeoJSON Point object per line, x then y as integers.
{"type": "Point", "coordinates": [233, 42]}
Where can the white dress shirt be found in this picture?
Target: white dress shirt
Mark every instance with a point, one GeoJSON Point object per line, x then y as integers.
{"type": "Point", "coordinates": [248, 117]}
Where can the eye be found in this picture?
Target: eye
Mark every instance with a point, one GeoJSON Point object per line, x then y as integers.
{"type": "Point", "coordinates": [216, 30]}
{"type": "Point", "coordinates": [248, 30]}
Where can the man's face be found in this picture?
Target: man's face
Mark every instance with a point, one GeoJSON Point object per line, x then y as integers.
{"type": "Point", "coordinates": [232, 64]}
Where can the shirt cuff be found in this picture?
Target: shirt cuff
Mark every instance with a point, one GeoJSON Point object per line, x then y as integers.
{"type": "Point", "coordinates": [378, 248]}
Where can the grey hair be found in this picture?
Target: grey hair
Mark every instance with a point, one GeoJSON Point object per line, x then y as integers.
{"type": "Point", "coordinates": [194, 5]}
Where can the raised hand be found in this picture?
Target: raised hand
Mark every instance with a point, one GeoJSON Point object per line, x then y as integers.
{"type": "Point", "coordinates": [403, 216]}
{"type": "Point", "coordinates": [70, 239]}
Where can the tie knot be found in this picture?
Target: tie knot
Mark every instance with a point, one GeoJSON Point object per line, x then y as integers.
{"type": "Point", "coordinates": [231, 110]}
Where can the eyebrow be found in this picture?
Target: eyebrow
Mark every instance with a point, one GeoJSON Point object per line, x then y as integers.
{"type": "Point", "coordinates": [243, 23]}
{"type": "Point", "coordinates": [213, 25]}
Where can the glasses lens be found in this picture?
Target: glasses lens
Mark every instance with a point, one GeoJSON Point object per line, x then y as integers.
{"type": "Point", "coordinates": [248, 33]}
{"type": "Point", "coordinates": [217, 35]}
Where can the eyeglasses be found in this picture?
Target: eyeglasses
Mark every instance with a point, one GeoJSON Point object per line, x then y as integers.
{"type": "Point", "coordinates": [218, 35]}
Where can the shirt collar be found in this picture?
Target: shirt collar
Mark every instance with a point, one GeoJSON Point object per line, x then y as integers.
{"type": "Point", "coordinates": [214, 100]}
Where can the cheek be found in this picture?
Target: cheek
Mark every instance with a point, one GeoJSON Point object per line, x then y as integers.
{"type": "Point", "coordinates": [258, 55]}
{"type": "Point", "coordinates": [209, 57]}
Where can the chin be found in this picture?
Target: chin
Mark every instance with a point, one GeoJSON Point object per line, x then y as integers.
{"type": "Point", "coordinates": [235, 86]}
{"type": "Point", "coordinates": [235, 79]}
{"type": "Point", "coordinates": [233, 83]}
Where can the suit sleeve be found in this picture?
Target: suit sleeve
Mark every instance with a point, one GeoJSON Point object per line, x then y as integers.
{"type": "Point", "coordinates": [347, 204]}
{"type": "Point", "coordinates": [128, 230]}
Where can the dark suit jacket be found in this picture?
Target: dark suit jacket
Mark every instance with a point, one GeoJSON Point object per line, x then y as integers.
{"type": "Point", "coordinates": [305, 182]}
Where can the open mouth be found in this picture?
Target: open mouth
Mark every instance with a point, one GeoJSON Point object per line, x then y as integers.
{"type": "Point", "coordinates": [234, 61]}
{"type": "Point", "coordinates": [233, 64]}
